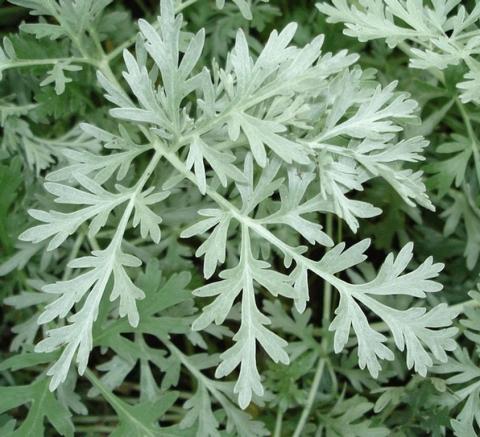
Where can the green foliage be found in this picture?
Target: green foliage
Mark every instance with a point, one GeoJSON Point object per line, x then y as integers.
{"type": "Point", "coordinates": [187, 200]}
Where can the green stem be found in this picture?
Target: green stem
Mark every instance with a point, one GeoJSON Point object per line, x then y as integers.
{"type": "Point", "coordinates": [278, 423]}
{"type": "Point", "coordinates": [94, 243]}
{"type": "Point", "coordinates": [327, 303]}
{"type": "Point", "coordinates": [96, 40]}
{"type": "Point", "coordinates": [311, 398]}
{"type": "Point", "coordinates": [200, 377]}
{"type": "Point", "coordinates": [184, 5]}
{"type": "Point", "coordinates": [74, 252]}
{"type": "Point", "coordinates": [115, 403]}
{"type": "Point", "coordinates": [471, 135]}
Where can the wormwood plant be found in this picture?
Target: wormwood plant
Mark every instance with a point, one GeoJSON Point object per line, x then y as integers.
{"type": "Point", "coordinates": [182, 269]}
{"type": "Point", "coordinates": [441, 38]}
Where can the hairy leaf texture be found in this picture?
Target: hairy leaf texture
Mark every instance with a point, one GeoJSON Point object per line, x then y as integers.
{"type": "Point", "coordinates": [195, 245]}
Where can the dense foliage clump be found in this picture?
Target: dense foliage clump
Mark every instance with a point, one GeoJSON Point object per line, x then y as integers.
{"type": "Point", "coordinates": [240, 218]}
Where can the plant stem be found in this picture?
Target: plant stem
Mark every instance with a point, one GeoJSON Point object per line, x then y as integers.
{"type": "Point", "coordinates": [116, 403]}
{"type": "Point", "coordinates": [311, 397]}
{"type": "Point", "coordinates": [45, 62]}
{"type": "Point", "coordinates": [278, 423]}
{"type": "Point", "coordinates": [327, 303]}
{"type": "Point", "coordinates": [327, 293]}
{"type": "Point", "coordinates": [471, 135]}
{"type": "Point", "coordinates": [184, 5]}
{"type": "Point", "coordinates": [201, 378]}
{"type": "Point", "coordinates": [253, 224]}
{"type": "Point", "coordinates": [74, 252]}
